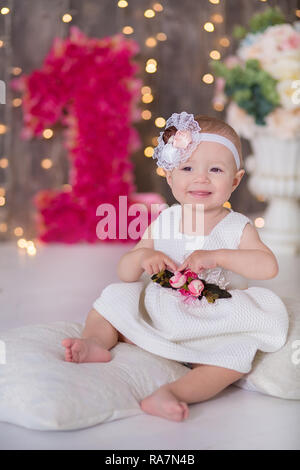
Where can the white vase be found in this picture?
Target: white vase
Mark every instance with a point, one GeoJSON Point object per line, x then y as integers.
{"type": "Point", "coordinates": [275, 174]}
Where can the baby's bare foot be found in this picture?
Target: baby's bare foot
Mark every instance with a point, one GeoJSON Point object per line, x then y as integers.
{"type": "Point", "coordinates": [85, 350]}
{"type": "Point", "coordinates": [163, 403]}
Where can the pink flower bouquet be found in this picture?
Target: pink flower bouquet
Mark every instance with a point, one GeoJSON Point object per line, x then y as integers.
{"type": "Point", "coordinates": [188, 284]}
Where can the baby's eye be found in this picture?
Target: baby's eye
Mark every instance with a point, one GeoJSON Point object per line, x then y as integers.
{"type": "Point", "coordinates": [215, 168]}
{"type": "Point", "coordinates": [186, 168]}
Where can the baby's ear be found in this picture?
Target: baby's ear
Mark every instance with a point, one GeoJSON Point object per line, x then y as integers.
{"type": "Point", "coordinates": [168, 177]}
{"type": "Point", "coordinates": [240, 174]}
{"type": "Point", "coordinates": [237, 179]}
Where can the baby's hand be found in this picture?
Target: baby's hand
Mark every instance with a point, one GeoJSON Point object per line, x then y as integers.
{"type": "Point", "coordinates": [199, 260]}
{"type": "Point", "coordinates": [154, 261]}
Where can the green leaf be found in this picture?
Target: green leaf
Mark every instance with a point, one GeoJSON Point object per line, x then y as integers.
{"type": "Point", "coordinates": [213, 289]}
{"type": "Point", "coordinates": [211, 297]}
{"type": "Point", "coordinates": [242, 95]}
{"type": "Point", "coordinates": [252, 64]}
{"type": "Point", "coordinates": [239, 32]}
{"type": "Point", "coordinates": [270, 17]}
{"type": "Point", "coordinates": [220, 69]}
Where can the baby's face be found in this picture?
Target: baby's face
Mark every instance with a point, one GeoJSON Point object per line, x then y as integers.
{"type": "Point", "coordinates": [212, 169]}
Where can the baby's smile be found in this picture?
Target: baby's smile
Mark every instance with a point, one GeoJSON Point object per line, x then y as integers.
{"type": "Point", "coordinates": [200, 194]}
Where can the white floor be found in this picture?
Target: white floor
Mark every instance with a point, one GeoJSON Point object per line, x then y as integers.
{"type": "Point", "coordinates": [60, 283]}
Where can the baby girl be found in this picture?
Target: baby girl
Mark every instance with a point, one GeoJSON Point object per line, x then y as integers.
{"type": "Point", "coordinates": [202, 159]}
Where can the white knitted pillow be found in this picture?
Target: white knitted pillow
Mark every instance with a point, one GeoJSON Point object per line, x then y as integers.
{"type": "Point", "coordinates": [39, 390]}
{"type": "Point", "coordinates": [278, 373]}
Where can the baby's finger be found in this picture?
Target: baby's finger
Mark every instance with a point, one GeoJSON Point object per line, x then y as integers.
{"type": "Point", "coordinates": [171, 269]}
{"type": "Point", "coordinates": [198, 269]}
{"type": "Point", "coordinates": [183, 266]}
{"type": "Point", "coordinates": [170, 263]}
{"type": "Point", "coordinates": [155, 268]}
{"type": "Point", "coordinates": [161, 267]}
{"type": "Point", "coordinates": [148, 271]}
{"type": "Point", "coordinates": [148, 268]}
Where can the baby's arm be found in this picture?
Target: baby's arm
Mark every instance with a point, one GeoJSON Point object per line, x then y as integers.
{"type": "Point", "coordinates": [253, 259]}
{"type": "Point", "coordinates": [129, 267]}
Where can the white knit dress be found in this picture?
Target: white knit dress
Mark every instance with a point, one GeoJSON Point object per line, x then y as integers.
{"type": "Point", "coordinates": [226, 333]}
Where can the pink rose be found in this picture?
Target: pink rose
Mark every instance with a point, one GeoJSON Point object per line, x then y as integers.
{"type": "Point", "coordinates": [182, 139]}
{"type": "Point", "coordinates": [293, 42]}
{"type": "Point", "coordinates": [188, 273]}
{"type": "Point", "coordinates": [232, 61]}
{"type": "Point", "coordinates": [196, 287]}
{"type": "Point", "coordinates": [184, 292]}
{"type": "Point", "coordinates": [178, 280]}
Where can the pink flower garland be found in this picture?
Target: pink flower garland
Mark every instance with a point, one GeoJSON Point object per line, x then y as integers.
{"type": "Point", "coordinates": [89, 86]}
{"type": "Point", "coordinates": [188, 285]}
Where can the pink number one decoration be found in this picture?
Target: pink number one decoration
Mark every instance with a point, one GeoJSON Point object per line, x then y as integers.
{"type": "Point", "coordinates": [89, 86]}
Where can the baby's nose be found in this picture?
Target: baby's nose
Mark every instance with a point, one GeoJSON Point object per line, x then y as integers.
{"type": "Point", "coordinates": [202, 176]}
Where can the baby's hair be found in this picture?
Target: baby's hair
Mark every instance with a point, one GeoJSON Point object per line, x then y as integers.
{"type": "Point", "coordinates": [212, 125]}
{"type": "Point", "coordinates": [168, 133]}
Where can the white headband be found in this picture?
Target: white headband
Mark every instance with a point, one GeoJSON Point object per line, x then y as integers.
{"type": "Point", "coordinates": [180, 146]}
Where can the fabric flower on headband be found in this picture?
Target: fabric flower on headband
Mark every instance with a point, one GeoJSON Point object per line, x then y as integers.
{"type": "Point", "coordinates": [180, 146]}
{"type": "Point", "coordinates": [182, 139]}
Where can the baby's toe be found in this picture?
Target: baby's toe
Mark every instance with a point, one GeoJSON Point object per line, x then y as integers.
{"type": "Point", "coordinates": [78, 351]}
{"type": "Point", "coordinates": [67, 342]}
{"type": "Point", "coordinates": [75, 355]}
{"type": "Point", "coordinates": [68, 355]}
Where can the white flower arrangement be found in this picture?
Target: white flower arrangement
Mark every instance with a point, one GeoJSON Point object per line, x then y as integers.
{"type": "Point", "coordinates": [262, 81]}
